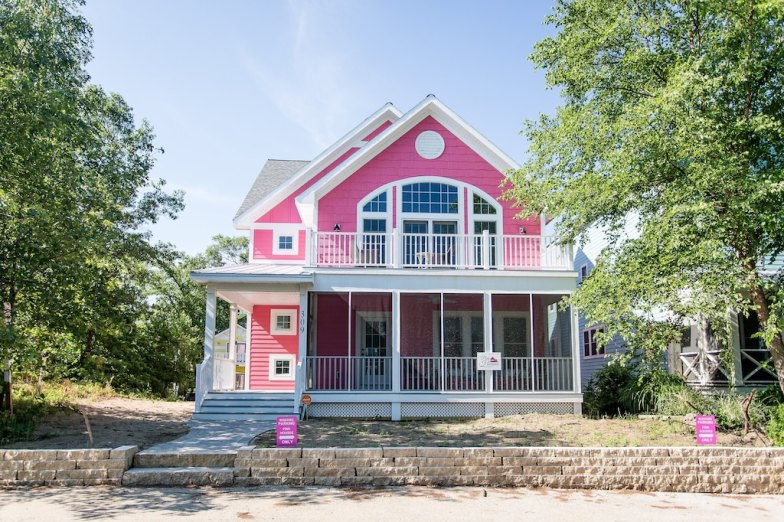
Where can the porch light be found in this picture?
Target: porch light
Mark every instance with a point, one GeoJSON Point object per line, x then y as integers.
{"type": "Point", "coordinates": [521, 230]}
{"type": "Point", "coordinates": [336, 228]}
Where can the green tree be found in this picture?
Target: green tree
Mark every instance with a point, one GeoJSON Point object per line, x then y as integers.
{"type": "Point", "coordinates": [75, 185]}
{"type": "Point", "coordinates": [672, 115]}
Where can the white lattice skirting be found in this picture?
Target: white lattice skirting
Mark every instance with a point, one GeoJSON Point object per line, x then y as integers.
{"type": "Point", "coordinates": [521, 408]}
{"type": "Point", "coordinates": [413, 410]}
{"type": "Point", "coordinates": [418, 410]}
{"type": "Point", "coordinates": [365, 410]}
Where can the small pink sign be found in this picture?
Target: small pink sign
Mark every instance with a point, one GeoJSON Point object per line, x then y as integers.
{"type": "Point", "coordinates": [286, 431]}
{"type": "Point", "coordinates": [705, 427]}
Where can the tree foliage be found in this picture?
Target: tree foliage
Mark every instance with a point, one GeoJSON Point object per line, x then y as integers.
{"type": "Point", "coordinates": [673, 117]}
{"type": "Point", "coordinates": [85, 292]}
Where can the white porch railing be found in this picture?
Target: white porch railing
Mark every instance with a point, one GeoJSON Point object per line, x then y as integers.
{"type": "Point", "coordinates": [461, 251]}
{"type": "Point", "coordinates": [449, 374]}
{"type": "Point", "coordinates": [203, 381]}
{"type": "Point", "coordinates": [343, 373]}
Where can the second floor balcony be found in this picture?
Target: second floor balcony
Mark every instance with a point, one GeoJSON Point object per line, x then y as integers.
{"type": "Point", "coordinates": [441, 251]}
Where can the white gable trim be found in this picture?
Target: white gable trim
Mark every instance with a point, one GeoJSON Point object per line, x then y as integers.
{"type": "Point", "coordinates": [353, 139]}
{"type": "Point", "coordinates": [430, 106]}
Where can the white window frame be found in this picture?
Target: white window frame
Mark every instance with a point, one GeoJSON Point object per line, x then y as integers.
{"type": "Point", "coordinates": [498, 331]}
{"type": "Point", "coordinates": [580, 272]}
{"type": "Point", "coordinates": [362, 215]}
{"type": "Point", "coordinates": [465, 317]}
{"type": "Point", "coordinates": [274, 358]}
{"type": "Point", "coordinates": [597, 355]}
{"type": "Point", "coordinates": [275, 313]}
{"type": "Point", "coordinates": [279, 231]}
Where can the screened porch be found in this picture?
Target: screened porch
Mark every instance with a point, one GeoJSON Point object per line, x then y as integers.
{"type": "Point", "coordinates": [428, 343]}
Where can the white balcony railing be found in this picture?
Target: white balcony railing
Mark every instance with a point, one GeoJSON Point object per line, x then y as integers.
{"type": "Point", "coordinates": [460, 251]}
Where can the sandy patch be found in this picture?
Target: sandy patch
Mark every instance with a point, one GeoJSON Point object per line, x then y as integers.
{"type": "Point", "coordinates": [114, 422]}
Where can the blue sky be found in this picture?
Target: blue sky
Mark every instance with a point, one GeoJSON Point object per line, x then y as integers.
{"type": "Point", "coordinates": [229, 84]}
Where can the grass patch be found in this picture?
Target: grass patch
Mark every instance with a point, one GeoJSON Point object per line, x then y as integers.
{"type": "Point", "coordinates": [30, 406]}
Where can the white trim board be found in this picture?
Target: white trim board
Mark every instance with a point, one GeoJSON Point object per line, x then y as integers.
{"type": "Point", "coordinates": [386, 113]}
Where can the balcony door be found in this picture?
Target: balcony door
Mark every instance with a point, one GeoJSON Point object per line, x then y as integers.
{"type": "Point", "coordinates": [429, 242]}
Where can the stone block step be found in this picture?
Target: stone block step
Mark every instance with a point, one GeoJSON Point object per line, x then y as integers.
{"type": "Point", "coordinates": [184, 459]}
{"type": "Point", "coordinates": [190, 476]}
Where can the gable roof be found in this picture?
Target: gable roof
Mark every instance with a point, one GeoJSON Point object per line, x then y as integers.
{"type": "Point", "coordinates": [248, 214]}
{"type": "Point", "coordinates": [273, 174]}
{"type": "Point", "coordinates": [430, 106]}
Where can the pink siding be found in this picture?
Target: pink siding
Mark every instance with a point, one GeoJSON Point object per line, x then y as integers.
{"type": "Point", "coordinates": [263, 344]}
{"type": "Point", "coordinates": [400, 161]}
{"type": "Point", "coordinates": [286, 211]}
{"type": "Point", "coordinates": [381, 128]}
{"type": "Point", "coordinates": [263, 246]}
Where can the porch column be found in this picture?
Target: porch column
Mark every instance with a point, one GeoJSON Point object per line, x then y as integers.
{"type": "Point", "coordinates": [531, 332]}
{"type": "Point", "coordinates": [302, 332]}
{"type": "Point", "coordinates": [487, 338]}
{"type": "Point", "coordinates": [396, 415]}
{"type": "Point", "coordinates": [578, 409]}
{"type": "Point", "coordinates": [232, 332]}
{"type": "Point", "coordinates": [205, 372]}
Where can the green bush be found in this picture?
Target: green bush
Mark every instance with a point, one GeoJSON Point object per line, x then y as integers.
{"type": "Point", "coordinates": [608, 391]}
{"type": "Point", "coordinates": [775, 427]}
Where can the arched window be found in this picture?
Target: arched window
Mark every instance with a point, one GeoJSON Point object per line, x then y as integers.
{"type": "Point", "coordinates": [482, 206]}
{"type": "Point", "coordinates": [377, 204]}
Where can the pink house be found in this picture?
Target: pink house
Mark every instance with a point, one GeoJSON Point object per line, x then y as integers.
{"type": "Point", "coordinates": [388, 278]}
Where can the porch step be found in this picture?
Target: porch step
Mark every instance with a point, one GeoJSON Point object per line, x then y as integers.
{"type": "Point", "coordinates": [188, 476]}
{"type": "Point", "coordinates": [241, 396]}
{"type": "Point", "coordinates": [245, 406]}
{"type": "Point", "coordinates": [185, 459]}
{"type": "Point", "coordinates": [239, 416]}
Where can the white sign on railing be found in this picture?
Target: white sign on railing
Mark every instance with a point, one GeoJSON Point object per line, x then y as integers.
{"type": "Point", "coordinates": [488, 361]}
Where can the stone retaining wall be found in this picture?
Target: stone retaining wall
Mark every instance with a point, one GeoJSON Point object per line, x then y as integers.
{"type": "Point", "coordinates": [688, 469]}
{"type": "Point", "coordinates": [76, 467]}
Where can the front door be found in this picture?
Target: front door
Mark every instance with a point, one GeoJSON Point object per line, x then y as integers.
{"type": "Point", "coordinates": [374, 370]}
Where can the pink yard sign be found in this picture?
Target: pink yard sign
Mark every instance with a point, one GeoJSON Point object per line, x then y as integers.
{"type": "Point", "coordinates": [705, 427]}
{"type": "Point", "coordinates": [286, 431]}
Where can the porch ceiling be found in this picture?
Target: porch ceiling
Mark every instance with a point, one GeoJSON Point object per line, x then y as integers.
{"type": "Point", "coordinates": [246, 299]}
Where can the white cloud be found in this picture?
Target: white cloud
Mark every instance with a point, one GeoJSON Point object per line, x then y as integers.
{"type": "Point", "coordinates": [312, 86]}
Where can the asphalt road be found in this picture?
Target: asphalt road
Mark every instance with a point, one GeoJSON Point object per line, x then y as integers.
{"type": "Point", "coordinates": [394, 504]}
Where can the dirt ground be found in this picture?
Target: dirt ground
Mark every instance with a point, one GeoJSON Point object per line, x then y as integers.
{"type": "Point", "coordinates": [120, 421]}
{"type": "Point", "coordinates": [517, 430]}
{"type": "Point", "coordinates": [114, 422]}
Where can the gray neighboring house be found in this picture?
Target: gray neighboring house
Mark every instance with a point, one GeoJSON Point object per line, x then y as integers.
{"type": "Point", "coordinates": [753, 366]}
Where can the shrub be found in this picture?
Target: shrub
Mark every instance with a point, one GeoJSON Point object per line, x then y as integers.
{"type": "Point", "coordinates": [775, 427]}
{"type": "Point", "coordinates": [608, 391]}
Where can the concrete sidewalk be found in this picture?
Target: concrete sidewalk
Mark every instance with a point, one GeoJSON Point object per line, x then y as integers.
{"type": "Point", "coordinates": [213, 437]}
{"type": "Point", "coordinates": [378, 505]}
